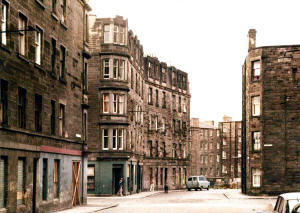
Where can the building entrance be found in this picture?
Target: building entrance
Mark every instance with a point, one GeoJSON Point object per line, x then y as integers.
{"type": "Point", "coordinates": [117, 175]}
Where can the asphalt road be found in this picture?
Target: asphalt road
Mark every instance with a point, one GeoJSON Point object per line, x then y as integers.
{"type": "Point", "coordinates": [213, 201]}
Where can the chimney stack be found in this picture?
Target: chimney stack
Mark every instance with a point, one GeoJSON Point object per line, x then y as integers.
{"type": "Point", "coordinates": [251, 39]}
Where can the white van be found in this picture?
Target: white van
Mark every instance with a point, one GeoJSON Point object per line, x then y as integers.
{"type": "Point", "coordinates": [197, 182]}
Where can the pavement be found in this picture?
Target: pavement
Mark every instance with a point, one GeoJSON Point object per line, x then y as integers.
{"type": "Point", "coordinates": [180, 201]}
{"type": "Point", "coordinates": [98, 204]}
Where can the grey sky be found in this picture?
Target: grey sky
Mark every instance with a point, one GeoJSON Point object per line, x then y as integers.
{"type": "Point", "coordinates": [208, 40]}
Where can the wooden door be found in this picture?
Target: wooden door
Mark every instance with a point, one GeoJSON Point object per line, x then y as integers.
{"type": "Point", "coordinates": [76, 183]}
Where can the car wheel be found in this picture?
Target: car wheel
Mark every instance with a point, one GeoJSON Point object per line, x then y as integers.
{"type": "Point", "coordinates": [189, 189]}
{"type": "Point", "coordinates": [196, 189]}
{"type": "Point", "coordinates": [207, 188]}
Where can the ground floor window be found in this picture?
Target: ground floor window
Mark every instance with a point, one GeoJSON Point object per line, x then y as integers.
{"type": "Point", "coordinates": [256, 177]}
{"type": "Point", "coordinates": [91, 178]}
{"type": "Point", "coordinates": [21, 181]}
{"type": "Point", "coordinates": [3, 182]}
{"type": "Point", "coordinates": [174, 176]}
{"type": "Point", "coordinates": [56, 178]}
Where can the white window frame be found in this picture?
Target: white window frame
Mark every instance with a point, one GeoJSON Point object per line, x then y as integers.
{"type": "Point", "coordinates": [256, 69]}
{"type": "Point", "coordinates": [116, 34]}
{"type": "Point", "coordinates": [22, 23]}
{"type": "Point", "coordinates": [256, 177]}
{"type": "Point", "coordinates": [256, 140]}
{"type": "Point", "coordinates": [121, 104]}
{"type": "Point", "coordinates": [255, 105]}
{"type": "Point", "coordinates": [115, 68]}
{"type": "Point", "coordinates": [106, 33]}
{"type": "Point", "coordinates": [122, 35]}
{"type": "Point", "coordinates": [103, 139]}
{"type": "Point", "coordinates": [105, 101]}
{"type": "Point", "coordinates": [224, 155]}
{"type": "Point", "coordinates": [105, 65]}
{"type": "Point", "coordinates": [115, 139]}
{"type": "Point", "coordinates": [38, 45]}
{"type": "Point", "coordinates": [122, 70]}
{"type": "Point", "coordinates": [4, 10]}
{"type": "Point", "coordinates": [121, 139]}
{"type": "Point", "coordinates": [115, 104]}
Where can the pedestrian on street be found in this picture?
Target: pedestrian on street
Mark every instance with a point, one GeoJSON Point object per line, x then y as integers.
{"type": "Point", "coordinates": [121, 182]}
{"type": "Point", "coordinates": [151, 186]}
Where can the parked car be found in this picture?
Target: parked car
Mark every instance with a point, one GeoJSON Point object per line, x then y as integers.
{"type": "Point", "coordinates": [197, 182]}
{"type": "Point", "coordinates": [287, 203]}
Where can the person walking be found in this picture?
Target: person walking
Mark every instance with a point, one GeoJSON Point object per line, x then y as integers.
{"type": "Point", "coordinates": [152, 186]}
{"type": "Point", "coordinates": [121, 182]}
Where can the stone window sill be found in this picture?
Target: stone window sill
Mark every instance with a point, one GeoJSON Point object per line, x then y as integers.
{"type": "Point", "coordinates": [5, 48]}
{"type": "Point", "coordinates": [53, 15]}
{"type": "Point", "coordinates": [63, 24]}
{"type": "Point", "coordinates": [23, 58]}
{"type": "Point", "coordinates": [41, 4]}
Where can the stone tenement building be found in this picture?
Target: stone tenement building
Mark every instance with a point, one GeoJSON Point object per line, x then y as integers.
{"type": "Point", "coordinates": [43, 68]}
{"type": "Point", "coordinates": [130, 120]}
{"type": "Point", "coordinates": [216, 152]}
{"type": "Point", "coordinates": [271, 118]}
{"type": "Point", "coordinates": [231, 150]}
{"type": "Point", "coordinates": [167, 113]}
{"type": "Point", "coordinates": [205, 150]}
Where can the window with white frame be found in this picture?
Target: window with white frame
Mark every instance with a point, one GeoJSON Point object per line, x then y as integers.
{"type": "Point", "coordinates": [116, 69]}
{"type": "Point", "coordinates": [150, 96]}
{"type": "Point", "coordinates": [121, 139]}
{"type": "Point", "coordinates": [105, 99]}
{"type": "Point", "coordinates": [224, 155]}
{"type": "Point", "coordinates": [184, 105]}
{"type": "Point", "coordinates": [105, 139]}
{"type": "Point", "coordinates": [163, 124]}
{"type": "Point", "coordinates": [121, 104]}
{"type": "Point", "coordinates": [256, 145]}
{"type": "Point", "coordinates": [218, 145]}
{"type": "Point", "coordinates": [22, 25]}
{"type": "Point", "coordinates": [224, 142]}
{"type": "Point", "coordinates": [256, 177]}
{"type": "Point", "coordinates": [4, 10]}
{"type": "Point", "coordinates": [218, 158]}
{"type": "Point", "coordinates": [224, 169]}
{"type": "Point", "coordinates": [38, 45]}
{"type": "Point", "coordinates": [150, 123]}
{"type": "Point", "coordinates": [106, 68]}
{"type": "Point", "coordinates": [115, 139]}
{"type": "Point", "coordinates": [122, 35]}
{"type": "Point", "coordinates": [255, 70]}
{"type": "Point", "coordinates": [255, 105]}
{"type": "Point", "coordinates": [156, 123]}
{"type": "Point", "coordinates": [116, 32]}
{"type": "Point", "coordinates": [107, 33]}
{"type": "Point", "coordinates": [121, 74]}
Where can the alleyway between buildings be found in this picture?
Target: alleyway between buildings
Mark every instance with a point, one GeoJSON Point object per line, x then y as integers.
{"type": "Point", "coordinates": [212, 201]}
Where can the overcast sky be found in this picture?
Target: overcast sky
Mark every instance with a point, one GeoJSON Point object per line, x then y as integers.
{"type": "Point", "coordinates": [208, 40]}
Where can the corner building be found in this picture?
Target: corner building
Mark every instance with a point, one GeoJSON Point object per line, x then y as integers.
{"type": "Point", "coordinates": [43, 105]}
{"type": "Point", "coordinates": [271, 119]}
{"type": "Point", "coordinates": [123, 125]}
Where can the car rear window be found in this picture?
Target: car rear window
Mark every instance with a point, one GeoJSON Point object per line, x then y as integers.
{"type": "Point", "coordinates": [190, 179]}
{"type": "Point", "coordinates": [194, 178]}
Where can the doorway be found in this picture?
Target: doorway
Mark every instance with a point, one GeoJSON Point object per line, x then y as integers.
{"type": "Point", "coordinates": [35, 165]}
{"type": "Point", "coordinates": [75, 183]}
{"type": "Point", "coordinates": [117, 175]}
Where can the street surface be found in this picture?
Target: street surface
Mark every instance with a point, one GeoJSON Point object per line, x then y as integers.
{"type": "Point", "coordinates": [212, 201]}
